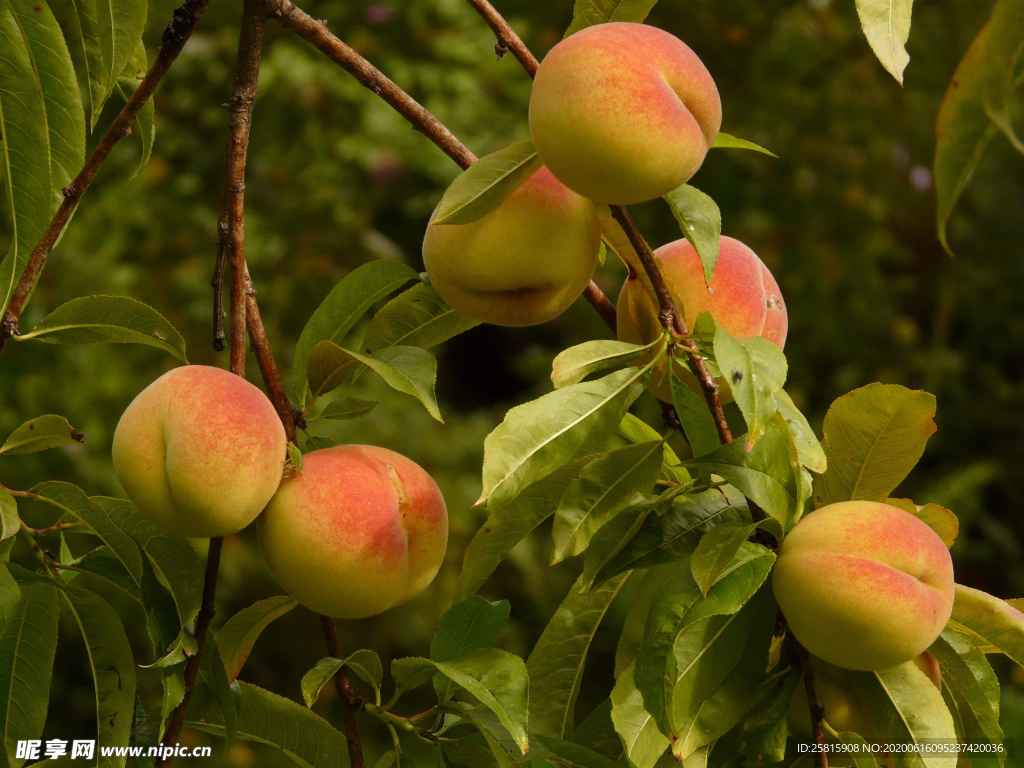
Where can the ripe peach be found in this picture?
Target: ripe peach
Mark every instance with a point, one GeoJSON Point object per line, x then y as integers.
{"type": "Point", "coordinates": [743, 296]}
{"type": "Point", "coordinates": [523, 263]}
{"type": "Point", "coordinates": [200, 451]}
{"type": "Point", "coordinates": [360, 529]}
{"type": "Point", "coordinates": [623, 113]}
{"type": "Point", "coordinates": [864, 585]}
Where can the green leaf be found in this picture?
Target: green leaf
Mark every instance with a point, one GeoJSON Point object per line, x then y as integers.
{"type": "Point", "coordinates": [597, 732]}
{"type": "Point", "coordinates": [83, 510]}
{"type": "Point", "coordinates": [112, 665]}
{"type": "Point", "coordinates": [238, 635]}
{"type": "Point", "coordinates": [995, 625]}
{"type": "Point", "coordinates": [345, 408]}
{"type": "Point", "coordinates": [319, 442]}
{"type": "Point", "coordinates": [145, 123]}
{"type": "Point", "coordinates": [601, 490]}
{"type": "Point", "coordinates": [886, 25]}
{"type": "Point", "coordinates": [939, 519]}
{"type": "Point", "coordinates": [108, 319]}
{"type": "Point", "coordinates": [725, 141]}
{"type": "Point", "coordinates": [697, 422]}
{"type": "Point", "coordinates": [811, 454]}
{"type": "Point", "coordinates": [344, 306]}
{"type": "Point", "coordinates": [366, 664]}
{"type": "Point", "coordinates": [40, 434]}
{"type": "Point", "coordinates": [418, 317]}
{"type": "Point", "coordinates": [642, 741]}
{"type": "Point", "coordinates": [469, 625]}
{"type": "Point", "coordinates": [119, 27]}
{"type": "Point", "coordinates": [586, 13]}
{"type": "Point", "coordinates": [637, 431]}
{"type": "Point", "coordinates": [617, 533]}
{"type": "Point", "coordinates": [675, 534]}
{"type": "Point", "coordinates": [214, 677]}
{"type": "Point", "coordinates": [538, 437]}
{"type": "Point", "coordinates": [755, 370]}
{"type": "Point", "coordinates": [764, 728]}
{"type": "Point", "coordinates": [496, 738]}
{"type": "Point", "coordinates": [556, 663]}
{"type": "Point", "coordinates": [573, 365]}
{"type": "Point", "coordinates": [408, 369]}
{"type": "Point", "coordinates": [10, 596]}
{"type": "Point", "coordinates": [10, 522]}
{"type": "Point", "coordinates": [267, 718]}
{"type": "Point", "coordinates": [42, 124]}
{"type": "Point", "coordinates": [508, 525]}
{"type": "Point", "coordinates": [763, 474]}
{"type": "Point", "coordinates": [26, 661]}
{"type": "Point", "coordinates": [573, 753]}
{"type": "Point", "coordinates": [965, 669]}
{"type": "Point", "coordinates": [906, 708]}
{"type": "Point", "coordinates": [500, 681]}
{"type": "Point", "coordinates": [487, 183]}
{"type": "Point", "coordinates": [717, 549]}
{"type": "Point", "coordinates": [320, 675]}
{"type": "Point", "coordinates": [874, 436]}
{"type": "Point", "coordinates": [701, 222]}
{"type": "Point", "coordinates": [411, 672]}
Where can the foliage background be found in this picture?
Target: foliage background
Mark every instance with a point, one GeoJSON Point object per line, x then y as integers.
{"type": "Point", "coordinates": [844, 219]}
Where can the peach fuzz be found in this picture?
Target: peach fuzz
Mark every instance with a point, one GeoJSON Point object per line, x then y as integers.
{"type": "Point", "coordinates": [200, 451]}
{"type": "Point", "coordinates": [523, 263]}
{"type": "Point", "coordinates": [743, 296]}
{"type": "Point", "coordinates": [864, 585]}
{"type": "Point", "coordinates": [359, 530]}
{"type": "Point", "coordinates": [623, 112]}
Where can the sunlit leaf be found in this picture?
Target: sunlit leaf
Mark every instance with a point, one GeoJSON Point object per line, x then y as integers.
{"type": "Point", "coordinates": [725, 141]}
{"type": "Point", "coordinates": [886, 25]}
{"type": "Point", "coordinates": [812, 455]}
{"type": "Point", "coordinates": [701, 222]}
{"type": "Point", "coordinates": [573, 365]}
{"type": "Point", "coordinates": [755, 370]}
{"type": "Point", "coordinates": [586, 13]}
{"type": "Point", "coordinates": [643, 742]}
{"type": "Point", "coordinates": [487, 183]}
{"type": "Point", "coordinates": [40, 434]}
{"type": "Point", "coordinates": [418, 317]}
{"type": "Point", "coordinates": [320, 675]}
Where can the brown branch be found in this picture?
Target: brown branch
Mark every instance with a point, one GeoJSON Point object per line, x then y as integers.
{"type": "Point", "coordinates": [508, 40]}
{"type": "Point", "coordinates": [175, 36]}
{"type": "Point", "coordinates": [600, 302]}
{"type": "Point", "coordinates": [814, 705]}
{"type": "Point", "coordinates": [316, 34]}
{"type": "Point", "coordinates": [348, 696]}
{"type": "Point", "coordinates": [268, 368]}
{"type": "Point", "coordinates": [206, 613]}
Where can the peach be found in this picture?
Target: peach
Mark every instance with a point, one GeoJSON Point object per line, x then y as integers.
{"type": "Point", "coordinates": [200, 451]}
{"type": "Point", "coordinates": [623, 113]}
{"type": "Point", "coordinates": [743, 296]}
{"type": "Point", "coordinates": [523, 263]}
{"type": "Point", "coordinates": [359, 530]}
{"type": "Point", "coordinates": [864, 585]}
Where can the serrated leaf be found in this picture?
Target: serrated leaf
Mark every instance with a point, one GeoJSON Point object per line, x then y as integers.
{"type": "Point", "coordinates": [145, 123]}
{"type": "Point", "coordinates": [886, 25]}
{"type": "Point", "coordinates": [10, 522]}
{"type": "Point", "coordinates": [366, 664]}
{"type": "Point", "coordinates": [755, 370]}
{"type": "Point", "coordinates": [408, 369]}
{"type": "Point", "coordinates": [500, 681]}
{"type": "Point", "coordinates": [538, 437]}
{"type": "Point", "coordinates": [764, 727]}
{"type": "Point", "coordinates": [597, 732]}
{"type": "Point", "coordinates": [637, 431]}
{"type": "Point", "coordinates": [603, 487]}
{"type": "Point", "coordinates": [965, 669]}
{"type": "Point", "coordinates": [108, 319]}
{"type": "Point", "coordinates": [717, 549]}
{"type": "Point", "coordinates": [725, 141]}
{"type": "Point", "coordinates": [573, 365]}
{"type": "Point", "coordinates": [345, 408]}
{"type": "Point", "coordinates": [411, 672]}
{"type": "Point", "coordinates": [418, 317]}
{"type": "Point", "coordinates": [586, 13]}
{"type": "Point", "coordinates": [487, 183]}
{"type": "Point", "coordinates": [812, 455]}
{"type": "Point", "coordinates": [874, 436]}
{"type": "Point", "coordinates": [618, 532]}
{"type": "Point", "coordinates": [42, 124]}
{"type": "Point", "coordinates": [267, 718]}
{"type": "Point", "coordinates": [643, 743]}
{"type": "Point", "coordinates": [27, 650]}
{"type": "Point", "coordinates": [994, 624]}
{"type": "Point", "coordinates": [349, 301]}
{"type": "Point", "coordinates": [40, 434]}
{"type": "Point", "coordinates": [320, 675]}
{"type": "Point", "coordinates": [508, 525]}
{"type": "Point", "coordinates": [556, 663]}
{"type": "Point", "coordinates": [697, 422]}
{"type": "Point", "coordinates": [701, 222]}
{"type": "Point", "coordinates": [113, 669]}
{"type": "Point", "coordinates": [469, 625]}
{"type": "Point", "coordinates": [238, 635]}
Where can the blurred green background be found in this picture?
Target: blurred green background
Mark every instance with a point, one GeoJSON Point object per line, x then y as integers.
{"type": "Point", "coordinates": [844, 219]}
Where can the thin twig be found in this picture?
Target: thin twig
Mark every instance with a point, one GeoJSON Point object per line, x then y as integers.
{"type": "Point", "coordinates": [175, 36]}
{"type": "Point", "coordinates": [48, 529]}
{"type": "Point", "coordinates": [508, 40]}
{"type": "Point", "coordinates": [600, 302]}
{"type": "Point", "coordinates": [316, 34]}
{"type": "Point", "coordinates": [814, 705]}
{"type": "Point", "coordinates": [348, 696]}
{"type": "Point", "coordinates": [206, 614]}
{"type": "Point", "coordinates": [268, 368]}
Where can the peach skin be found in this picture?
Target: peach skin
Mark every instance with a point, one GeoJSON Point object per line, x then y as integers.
{"type": "Point", "coordinates": [623, 112]}
{"type": "Point", "coordinates": [200, 451]}
{"type": "Point", "coordinates": [864, 585]}
{"type": "Point", "coordinates": [359, 530]}
{"type": "Point", "coordinates": [523, 263]}
{"type": "Point", "coordinates": [743, 296]}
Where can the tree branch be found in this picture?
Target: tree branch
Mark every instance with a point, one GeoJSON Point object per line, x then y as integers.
{"type": "Point", "coordinates": [814, 704]}
{"type": "Point", "coordinates": [508, 40]}
{"type": "Point", "coordinates": [348, 696]}
{"type": "Point", "coordinates": [177, 33]}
